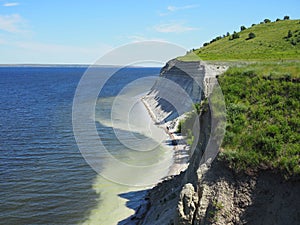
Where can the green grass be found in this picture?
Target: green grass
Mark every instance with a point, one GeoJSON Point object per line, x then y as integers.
{"type": "Point", "coordinates": [263, 117]}
{"type": "Point", "coordinates": [262, 95]}
{"type": "Point", "coordinates": [271, 43]}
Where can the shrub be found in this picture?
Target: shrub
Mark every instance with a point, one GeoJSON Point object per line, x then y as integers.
{"type": "Point", "coordinates": [267, 21]}
{"type": "Point", "coordinates": [205, 44]}
{"type": "Point", "coordinates": [286, 18]}
{"type": "Point", "coordinates": [293, 42]}
{"type": "Point", "coordinates": [251, 35]}
{"type": "Point", "coordinates": [278, 19]}
{"type": "Point", "coordinates": [290, 34]}
{"type": "Point", "coordinates": [234, 36]}
{"type": "Point", "coordinates": [243, 28]}
{"type": "Point", "coordinates": [179, 126]}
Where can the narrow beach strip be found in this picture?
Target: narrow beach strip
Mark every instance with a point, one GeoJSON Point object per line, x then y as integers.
{"type": "Point", "coordinates": [177, 143]}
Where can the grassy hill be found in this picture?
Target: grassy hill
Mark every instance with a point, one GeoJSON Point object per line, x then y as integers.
{"type": "Point", "coordinates": [262, 96]}
{"type": "Point", "coordinates": [278, 40]}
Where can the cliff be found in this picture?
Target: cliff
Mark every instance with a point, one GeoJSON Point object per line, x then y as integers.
{"type": "Point", "coordinates": [209, 192]}
{"type": "Point", "coordinates": [179, 85]}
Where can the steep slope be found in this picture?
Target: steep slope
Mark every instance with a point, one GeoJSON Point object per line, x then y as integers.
{"type": "Point", "coordinates": [216, 194]}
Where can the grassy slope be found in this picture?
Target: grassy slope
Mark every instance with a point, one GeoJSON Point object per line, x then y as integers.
{"type": "Point", "coordinates": [270, 43]}
{"type": "Point", "coordinates": [262, 97]}
{"type": "Point", "coordinates": [263, 117]}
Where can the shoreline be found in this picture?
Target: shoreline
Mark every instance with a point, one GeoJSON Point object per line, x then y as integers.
{"type": "Point", "coordinates": [177, 144]}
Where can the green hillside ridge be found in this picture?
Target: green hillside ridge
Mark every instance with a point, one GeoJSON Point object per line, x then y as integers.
{"type": "Point", "coordinates": [262, 95]}
{"type": "Point", "coordinates": [278, 40]}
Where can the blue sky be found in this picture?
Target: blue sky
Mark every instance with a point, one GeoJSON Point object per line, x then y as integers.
{"type": "Point", "coordinates": [65, 31]}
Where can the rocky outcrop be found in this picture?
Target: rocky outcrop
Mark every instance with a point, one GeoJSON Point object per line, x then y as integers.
{"type": "Point", "coordinates": [179, 85]}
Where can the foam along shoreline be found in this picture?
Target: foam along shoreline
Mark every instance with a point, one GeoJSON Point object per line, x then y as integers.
{"type": "Point", "coordinates": [176, 142]}
{"type": "Point", "coordinates": [118, 202]}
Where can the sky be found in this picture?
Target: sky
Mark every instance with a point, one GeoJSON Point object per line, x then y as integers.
{"type": "Point", "coordinates": [79, 32]}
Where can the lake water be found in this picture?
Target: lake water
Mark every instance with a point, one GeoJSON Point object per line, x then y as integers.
{"type": "Point", "coordinates": [43, 177]}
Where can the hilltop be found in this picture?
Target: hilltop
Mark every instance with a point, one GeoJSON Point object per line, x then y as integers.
{"type": "Point", "coordinates": [279, 40]}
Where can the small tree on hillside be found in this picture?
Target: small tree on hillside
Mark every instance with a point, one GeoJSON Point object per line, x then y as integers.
{"type": "Point", "coordinates": [234, 36]}
{"type": "Point", "coordinates": [243, 28]}
{"type": "Point", "coordinates": [267, 21]}
{"type": "Point", "coordinates": [290, 34]}
{"type": "Point", "coordinates": [286, 18]}
{"type": "Point", "coordinates": [251, 36]}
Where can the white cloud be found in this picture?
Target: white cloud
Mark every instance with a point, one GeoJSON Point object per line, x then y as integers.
{"type": "Point", "coordinates": [10, 4]}
{"type": "Point", "coordinates": [173, 28]}
{"type": "Point", "coordinates": [139, 38]}
{"type": "Point", "coordinates": [177, 8]}
{"type": "Point", "coordinates": [12, 23]}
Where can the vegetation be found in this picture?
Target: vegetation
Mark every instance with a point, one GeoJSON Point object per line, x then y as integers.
{"type": "Point", "coordinates": [263, 120]}
{"type": "Point", "coordinates": [262, 95]}
{"type": "Point", "coordinates": [185, 125]}
{"type": "Point", "coordinates": [216, 207]}
{"type": "Point", "coordinates": [272, 41]}
{"type": "Point", "coordinates": [234, 36]}
{"type": "Point", "coordinates": [251, 36]}
{"type": "Point", "coordinates": [243, 28]}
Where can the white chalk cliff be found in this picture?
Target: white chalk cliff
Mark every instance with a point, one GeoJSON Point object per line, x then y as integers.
{"type": "Point", "coordinates": [209, 192]}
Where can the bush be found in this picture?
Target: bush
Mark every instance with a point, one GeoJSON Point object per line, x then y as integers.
{"type": "Point", "coordinates": [290, 34]}
{"type": "Point", "coordinates": [234, 36]}
{"type": "Point", "coordinates": [243, 28]}
{"type": "Point", "coordinates": [278, 19]}
{"type": "Point", "coordinates": [251, 35]}
{"type": "Point", "coordinates": [267, 21]}
{"type": "Point", "coordinates": [293, 42]}
{"type": "Point", "coordinates": [286, 18]}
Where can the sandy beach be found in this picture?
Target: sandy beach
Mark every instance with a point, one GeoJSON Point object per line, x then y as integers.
{"type": "Point", "coordinates": [175, 142]}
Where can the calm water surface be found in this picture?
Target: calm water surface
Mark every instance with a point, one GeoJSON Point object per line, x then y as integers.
{"type": "Point", "coordinates": [43, 177]}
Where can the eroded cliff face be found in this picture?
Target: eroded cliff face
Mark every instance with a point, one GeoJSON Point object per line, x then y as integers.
{"type": "Point", "coordinates": [210, 192]}
{"type": "Point", "coordinates": [179, 85]}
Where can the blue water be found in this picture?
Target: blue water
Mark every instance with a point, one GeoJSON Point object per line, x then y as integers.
{"type": "Point", "coordinates": [43, 177]}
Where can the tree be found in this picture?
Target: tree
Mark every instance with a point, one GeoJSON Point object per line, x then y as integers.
{"type": "Point", "coordinates": [234, 36]}
{"type": "Point", "coordinates": [267, 21]}
{"type": "Point", "coordinates": [251, 35]}
{"type": "Point", "coordinates": [243, 28]}
{"type": "Point", "coordinates": [278, 19]}
{"type": "Point", "coordinates": [290, 34]}
{"type": "Point", "coordinates": [227, 34]}
{"type": "Point", "coordinates": [286, 17]}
